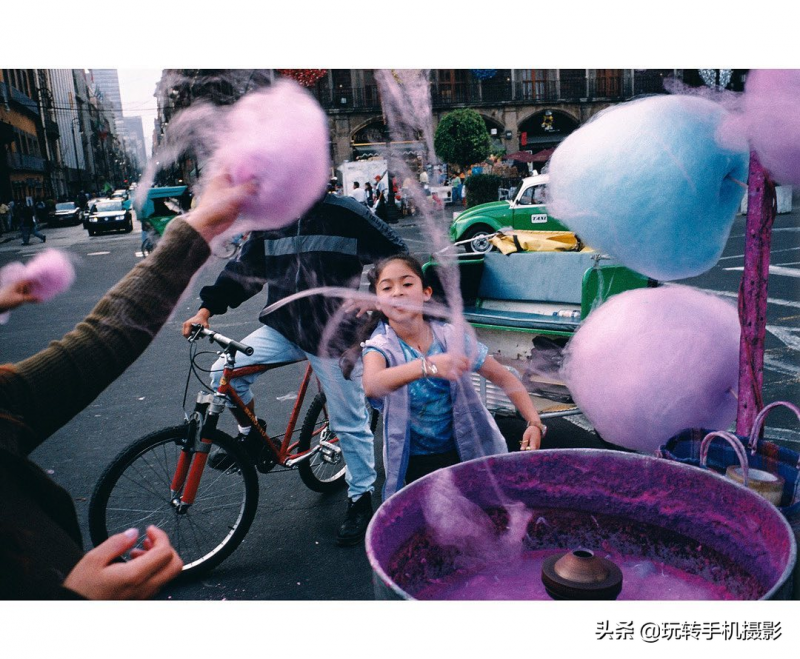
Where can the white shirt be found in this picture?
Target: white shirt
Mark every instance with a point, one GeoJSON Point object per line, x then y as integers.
{"type": "Point", "coordinates": [359, 194]}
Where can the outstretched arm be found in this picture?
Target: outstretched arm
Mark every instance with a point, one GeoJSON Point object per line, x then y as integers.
{"type": "Point", "coordinates": [51, 387]}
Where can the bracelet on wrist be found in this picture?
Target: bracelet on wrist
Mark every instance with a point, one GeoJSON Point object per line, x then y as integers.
{"type": "Point", "coordinates": [538, 424]}
{"type": "Point", "coordinates": [429, 369]}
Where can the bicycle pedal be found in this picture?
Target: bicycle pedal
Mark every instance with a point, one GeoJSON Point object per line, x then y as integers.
{"type": "Point", "coordinates": [331, 453]}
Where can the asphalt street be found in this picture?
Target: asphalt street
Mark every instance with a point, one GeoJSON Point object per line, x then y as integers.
{"type": "Point", "coordinates": [289, 553]}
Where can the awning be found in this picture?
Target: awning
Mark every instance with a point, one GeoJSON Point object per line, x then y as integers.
{"type": "Point", "coordinates": [527, 156]}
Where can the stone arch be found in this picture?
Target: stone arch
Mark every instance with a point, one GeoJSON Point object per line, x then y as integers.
{"type": "Point", "coordinates": [546, 127]}
{"type": "Point", "coordinates": [357, 134]}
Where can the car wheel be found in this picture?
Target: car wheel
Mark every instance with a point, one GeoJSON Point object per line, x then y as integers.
{"type": "Point", "coordinates": [478, 239]}
{"type": "Point", "coordinates": [129, 226]}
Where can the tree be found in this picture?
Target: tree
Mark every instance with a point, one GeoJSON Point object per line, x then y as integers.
{"type": "Point", "coordinates": [461, 138]}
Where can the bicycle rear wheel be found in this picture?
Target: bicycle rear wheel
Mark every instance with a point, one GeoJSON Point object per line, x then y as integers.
{"type": "Point", "coordinates": [134, 491]}
{"type": "Point", "coordinates": [323, 472]}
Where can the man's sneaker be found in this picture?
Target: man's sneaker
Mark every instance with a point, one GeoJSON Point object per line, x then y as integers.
{"type": "Point", "coordinates": [252, 442]}
{"type": "Point", "coordinates": [359, 512]}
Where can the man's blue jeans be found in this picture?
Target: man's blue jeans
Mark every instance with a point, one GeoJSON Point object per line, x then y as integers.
{"type": "Point", "coordinates": [349, 416]}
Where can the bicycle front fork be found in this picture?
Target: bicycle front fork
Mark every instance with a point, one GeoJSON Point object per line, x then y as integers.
{"type": "Point", "coordinates": [192, 460]}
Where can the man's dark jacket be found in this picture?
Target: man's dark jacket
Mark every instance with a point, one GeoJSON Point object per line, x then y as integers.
{"type": "Point", "coordinates": [328, 246]}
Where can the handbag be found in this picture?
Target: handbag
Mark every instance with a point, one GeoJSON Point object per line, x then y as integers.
{"type": "Point", "coordinates": [697, 447]}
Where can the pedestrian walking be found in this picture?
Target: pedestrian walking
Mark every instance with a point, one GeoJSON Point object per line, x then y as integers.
{"type": "Point", "coordinates": [28, 225]}
{"type": "Point", "coordinates": [4, 210]}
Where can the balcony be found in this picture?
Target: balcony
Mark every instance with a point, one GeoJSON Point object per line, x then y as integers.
{"type": "Point", "coordinates": [476, 93]}
{"type": "Point", "coordinates": [20, 161]}
{"type": "Point", "coordinates": [14, 94]}
{"type": "Point", "coordinates": [365, 99]}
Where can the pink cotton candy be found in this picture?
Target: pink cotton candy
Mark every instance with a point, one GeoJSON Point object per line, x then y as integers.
{"type": "Point", "coordinates": [279, 137]}
{"type": "Point", "coordinates": [50, 273]}
{"type": "Point", "coordinates": [651, 362]}
{"type": "Point", "coordinates": [772, 116]}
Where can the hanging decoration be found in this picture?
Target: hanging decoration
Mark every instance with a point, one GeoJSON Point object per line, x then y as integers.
{"type": "Point", "coordinates": [547, 122]}
{"type": "Point", "coordinates": [306, 77]}
{"type": "Point", "coordinates": [484, 74]}
{"type": "Point", "coordinates": [716, 78]}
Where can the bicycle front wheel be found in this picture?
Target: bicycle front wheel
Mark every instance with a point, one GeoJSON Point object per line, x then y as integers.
{"type": "Point", "coordinates": [134, 491]}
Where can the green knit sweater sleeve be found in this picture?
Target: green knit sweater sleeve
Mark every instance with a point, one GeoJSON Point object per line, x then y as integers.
{"type": "Point", "coordinates": [48, 389]}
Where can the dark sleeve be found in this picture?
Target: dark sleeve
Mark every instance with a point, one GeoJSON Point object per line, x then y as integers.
{"type": "Point", "coordinates": [239, 281]}
{"type": "Point", "coordinates": [47, 390]}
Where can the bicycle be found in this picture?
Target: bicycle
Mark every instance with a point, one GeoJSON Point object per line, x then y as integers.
{"type": "Point", "coordinates": [163, 479]}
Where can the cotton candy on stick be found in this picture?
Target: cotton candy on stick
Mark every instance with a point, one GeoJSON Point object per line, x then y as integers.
{"type": "Point", "coordinates": [49, 274]}
{"type": "Point", "coordinates": [651, 362]}
{"type": "Point", "coordinates": [650, 183]}
{"type": "Point", "coordinates": [278, 137]}
{"type": "Point", "coordinates": [772, 115]}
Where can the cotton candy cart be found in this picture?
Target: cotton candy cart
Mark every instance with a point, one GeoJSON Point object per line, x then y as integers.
{"type": "Point", "coordinates": [525, 300]}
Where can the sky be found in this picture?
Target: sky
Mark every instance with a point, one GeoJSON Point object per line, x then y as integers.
{"type": "Point", "coordinates": [137, 87]}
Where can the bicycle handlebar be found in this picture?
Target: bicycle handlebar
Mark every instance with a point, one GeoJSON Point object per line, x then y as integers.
{"type": "Point", "coordinates": [199, 332]}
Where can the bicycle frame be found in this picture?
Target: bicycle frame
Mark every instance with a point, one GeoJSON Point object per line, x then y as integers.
{"type": "Point", "coordinates": [203, 423]}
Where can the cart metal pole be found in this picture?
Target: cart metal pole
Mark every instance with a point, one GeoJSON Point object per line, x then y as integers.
{"type": "Point", "coordinates": [761, 208]}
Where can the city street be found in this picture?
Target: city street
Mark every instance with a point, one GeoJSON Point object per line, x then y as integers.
{"type": "Point", "coordinates": [289, 552]}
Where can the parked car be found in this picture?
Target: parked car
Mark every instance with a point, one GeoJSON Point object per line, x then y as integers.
{"type": "Point", "coordinates": [525, 211]}
{"type": "Point", "coordinates": [65, 214]}
{"type": "Point", "coordinates": [109, 215]}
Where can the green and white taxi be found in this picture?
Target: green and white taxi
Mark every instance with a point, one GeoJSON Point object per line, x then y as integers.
{"type": "Point", "coordinates": [525, 211]}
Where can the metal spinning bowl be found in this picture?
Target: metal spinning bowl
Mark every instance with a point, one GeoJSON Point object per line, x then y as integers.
{"type": "Point", "coordinates": [688, 519]}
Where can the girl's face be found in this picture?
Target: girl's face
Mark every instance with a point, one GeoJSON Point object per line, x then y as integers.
{"type": "Point", "coordinates": [398, 284]}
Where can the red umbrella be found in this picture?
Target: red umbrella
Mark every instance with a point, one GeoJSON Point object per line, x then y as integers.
{"type": "Point", "coordinates": [519, 156]}
{"type": "Point", "coordinates": [527, 156]}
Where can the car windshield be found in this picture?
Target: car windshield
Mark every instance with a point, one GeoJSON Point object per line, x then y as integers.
{"type": "Point", "coordinates": [65, 207]}
{"type": "Point", "coordinates": [105, 206]}
{"type": "Point", "coordinates": [532, 195]}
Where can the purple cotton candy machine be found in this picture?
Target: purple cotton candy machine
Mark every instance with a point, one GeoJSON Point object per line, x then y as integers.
{"type": "Point", "coordinates": [532, 525]}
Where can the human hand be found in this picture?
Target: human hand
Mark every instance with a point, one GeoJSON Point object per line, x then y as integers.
{"type": "Point", "coordinates": [219, 205]}
{"type": "Point", "coordinates": [97, 576]}
{"type": "Point", "coordinates": [16, 294]}
{"type": "Point", "coordinates": [200, 318]}
{"type": "Point", "coordinates": [531, 439]}
{"type": "Point", "coordinates": [450, 366]}
{"type": "Point", "coordinates": [359, 306]}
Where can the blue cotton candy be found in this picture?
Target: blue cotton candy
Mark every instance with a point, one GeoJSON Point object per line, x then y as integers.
{"type": "Point", "coordinates": [649, 183]}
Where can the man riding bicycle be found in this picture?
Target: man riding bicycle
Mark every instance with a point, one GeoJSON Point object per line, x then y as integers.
{"type": "Point", "coordinates": [328, 246]}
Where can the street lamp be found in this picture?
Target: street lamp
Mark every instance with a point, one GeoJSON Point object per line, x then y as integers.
{"type": "Point", "coordinates": [75, 147]}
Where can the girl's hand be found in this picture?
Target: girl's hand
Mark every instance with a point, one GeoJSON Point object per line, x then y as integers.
{"type": "Point", "coordinates": [531, 439]}
{"type": "Point", "coordinates": [449, 366]}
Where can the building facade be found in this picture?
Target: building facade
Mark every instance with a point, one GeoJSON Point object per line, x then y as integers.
{"type": "Point", "coordinates": [135, 136]}
{"type": "Point", "coordinates": [523, 109]}
{"type": "Point", "coordinates": [107, 84]}
{"type": "Point", "coordinates": [57, 137]}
